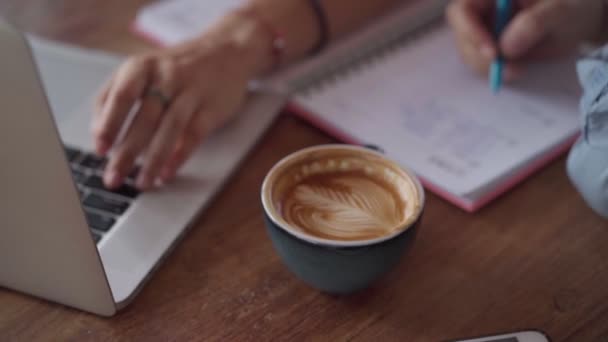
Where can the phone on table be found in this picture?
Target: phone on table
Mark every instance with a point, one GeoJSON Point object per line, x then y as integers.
{"type": "Point", "coordinates": [521, 336]}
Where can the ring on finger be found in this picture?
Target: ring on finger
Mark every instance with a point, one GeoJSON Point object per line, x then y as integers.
{"type": "Point", "coordinates": [159, 95]}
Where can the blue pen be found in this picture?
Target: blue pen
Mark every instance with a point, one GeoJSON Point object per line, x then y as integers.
{"type": "Point", "coordinates": [504, 10]}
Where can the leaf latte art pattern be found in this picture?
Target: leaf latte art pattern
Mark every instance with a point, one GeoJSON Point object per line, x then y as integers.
{"type": "Point", "coordinates": [344, 208]}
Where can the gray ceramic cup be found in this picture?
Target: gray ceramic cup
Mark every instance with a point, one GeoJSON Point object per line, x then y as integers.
{"type": "Point", "coordinates": [331, 265]}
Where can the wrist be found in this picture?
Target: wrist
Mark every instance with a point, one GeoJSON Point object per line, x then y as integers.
{"type": "Point", "coordinates": [243, 39]}
{"type": "Point", "coordinates": [267, 29]}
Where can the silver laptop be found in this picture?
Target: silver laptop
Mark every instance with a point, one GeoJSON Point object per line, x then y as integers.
{"type": "Point", "coordinates": [63, 237]}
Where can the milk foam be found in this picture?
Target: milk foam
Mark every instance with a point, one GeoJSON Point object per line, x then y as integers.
{"type": "Point", "coordinates": [341, 194]}
{"type": "Point", "coordinates": [344, 207]}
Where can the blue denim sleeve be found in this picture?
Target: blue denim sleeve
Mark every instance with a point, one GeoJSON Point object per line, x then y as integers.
{"type": "Point", "coordinates": [588, 160]}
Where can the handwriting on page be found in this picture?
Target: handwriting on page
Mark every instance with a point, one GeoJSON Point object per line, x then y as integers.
{"type": "Point", "coordinates": [455, 133]}
{"type": "Point", "coordinates": [429, 111]}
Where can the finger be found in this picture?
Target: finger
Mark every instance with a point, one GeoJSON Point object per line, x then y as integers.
{"type": "Point", "coordinates": [171, 128]}
{"type": "Point", "coordinates": [466, 19]}
{"type": "Point", "coordinates": [198, 128]}
{"type": "Point", "coordinates": [530, 27]}
{"type": "Point", "coordinates": [138, 135]}
{"type": "Point", "coordinates": [512, 71]}
{"type": "Point", "coordinates": [127, 88]}
{"type": "Point", "coordinates": [548, 49]}
{"type": "Point", "coordinates": [476, 60]}
{"type": "Point", "coordinates": [184, 149]}
{"type": "Point", "coordinates": [102, 97]}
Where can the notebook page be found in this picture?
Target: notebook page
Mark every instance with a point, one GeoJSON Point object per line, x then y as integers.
{"type": "Point", "coordinates": [430, 112]}
{"type": "Point", "coordinates": [173, 21]}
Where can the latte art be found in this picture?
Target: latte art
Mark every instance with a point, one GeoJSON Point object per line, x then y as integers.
{"type": "Point", "coordinates": [341, 194]}
{"type": "Point", "coordinates": [344, 206]}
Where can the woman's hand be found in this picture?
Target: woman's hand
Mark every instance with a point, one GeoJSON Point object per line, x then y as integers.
{"type": "Point", "coordinates": [179, 95]}
{"type": "Point", "coordinates": [539, 29]}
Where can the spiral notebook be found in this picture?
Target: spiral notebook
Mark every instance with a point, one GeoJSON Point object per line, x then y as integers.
{"type": "Point", "coordinates": [401, 86]}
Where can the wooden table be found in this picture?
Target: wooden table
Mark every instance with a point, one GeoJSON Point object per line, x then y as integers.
{"type": "Point", "coordinates": [536, 258]}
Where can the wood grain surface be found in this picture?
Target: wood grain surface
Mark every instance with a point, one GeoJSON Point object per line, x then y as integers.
{"type": "Point", "coordinates": [536, 258]}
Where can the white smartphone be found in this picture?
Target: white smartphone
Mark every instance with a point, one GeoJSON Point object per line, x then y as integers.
{"type": "Point", "coordinates": [522, 336]}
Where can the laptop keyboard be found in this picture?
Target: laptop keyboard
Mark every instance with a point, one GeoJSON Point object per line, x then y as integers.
{"type": "Point", "coordinates": [103, 207]}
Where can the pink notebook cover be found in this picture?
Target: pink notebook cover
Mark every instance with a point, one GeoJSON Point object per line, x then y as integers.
{"type": "Point", "coordinates": [463, 203]}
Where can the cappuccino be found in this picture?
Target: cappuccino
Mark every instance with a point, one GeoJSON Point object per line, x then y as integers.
{"type": "Point", "coordinates": [341, 216]}
{"type": "Point", "coordinates": [345, 195]}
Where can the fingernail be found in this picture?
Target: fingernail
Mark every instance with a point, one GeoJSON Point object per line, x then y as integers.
{"type": "Point", "coordinates": [142, 182]}
{"type": "Point", "coordinates": [102, 148]}
{"type": "Point", "coordinates": [159, 183]}
{"type": "Point", "coordinates": [111, 179]}
{"type": "Point", "coordinates": [167, 174]}
{"type": "Point", "coordinates": [487, 52]}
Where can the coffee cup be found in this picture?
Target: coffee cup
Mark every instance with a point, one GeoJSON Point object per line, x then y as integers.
{"type": "Point", "coordinates": [341, 216]}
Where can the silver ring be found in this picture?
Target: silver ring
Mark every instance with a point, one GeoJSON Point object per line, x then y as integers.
{"type": "Point", "coordinates": [160, 96]}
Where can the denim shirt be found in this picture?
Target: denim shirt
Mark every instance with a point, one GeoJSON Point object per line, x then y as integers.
{"type": "Point", "coordinates": [588, 159]}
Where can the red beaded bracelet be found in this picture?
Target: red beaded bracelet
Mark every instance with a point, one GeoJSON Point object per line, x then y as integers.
{"type": "Point", "coordinates": [278, 43]}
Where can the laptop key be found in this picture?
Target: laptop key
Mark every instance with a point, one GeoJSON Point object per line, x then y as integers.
{"type": "Point", "coordinates": [71, 153]}
{"type": "Point", "coordinates": [108, 205]}
{"type": "Point", "coordinates": [99, 222]}
{"type": "Point", "coordinates": [78, 176]}
{"type": "Point", "coordinates": [91, 161]}
{"type": "Point", "coordinates": [96, 182]}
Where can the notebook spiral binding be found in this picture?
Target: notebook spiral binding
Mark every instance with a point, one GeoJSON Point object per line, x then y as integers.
{"type": "Point", "coordinates": [373, 52]}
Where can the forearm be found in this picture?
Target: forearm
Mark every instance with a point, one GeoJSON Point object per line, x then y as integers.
{"type": "Point", "coordinates": [298, 25]}
{"type": "Point", "coordinates": [298, 22]}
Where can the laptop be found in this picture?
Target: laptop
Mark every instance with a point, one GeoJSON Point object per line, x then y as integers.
{"type": "Point", "coordinates": [63, 236]}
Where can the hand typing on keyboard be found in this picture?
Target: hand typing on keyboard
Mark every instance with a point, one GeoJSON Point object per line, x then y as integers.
{"type": "Point", "coordinates": [102, 206]}
{"type": "Point", "coordinates": [180, 94]}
